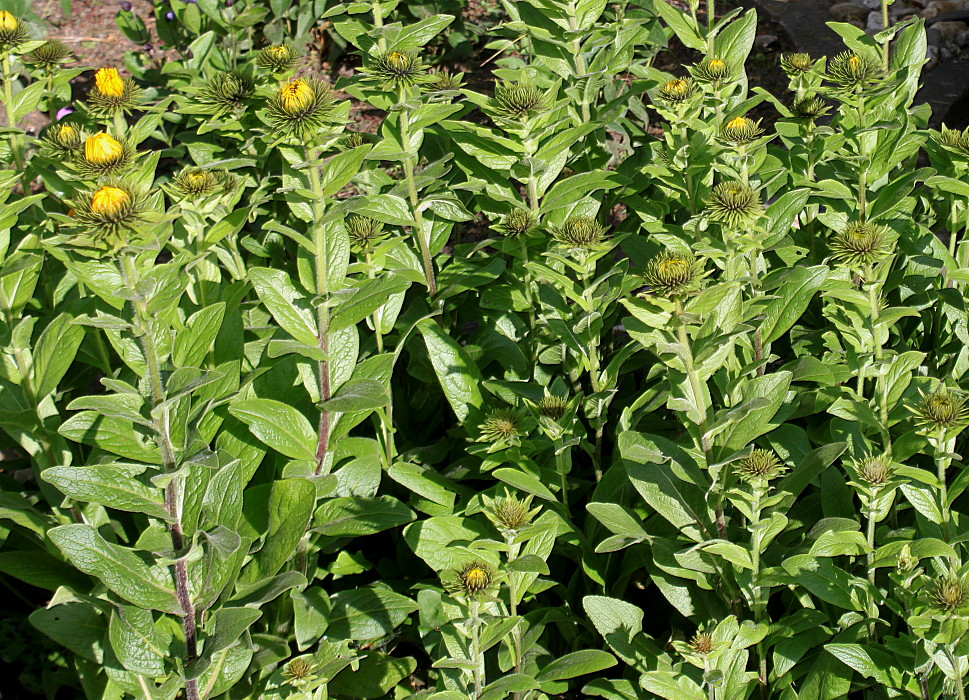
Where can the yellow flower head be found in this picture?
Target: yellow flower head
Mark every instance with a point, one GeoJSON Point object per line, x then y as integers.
{"type": "Point", "coordinates": [854, 63]}
{"type": "Point", "coordinates": [109, 83]}
{"type": "Point", "coordinates": [66, 132]}
{"type": "Point", "coordinates": [716, 63]}
{"type": "Point", "coordinates": [737, 123]}
{"type": "Point", "coordinates": [109, 201]}
{"type": "Point", "coordinates": [102, 149]}
{"type": "Point", "coordinates": [295, 96]}
{"type": "Point", "coordinates": [397, 60]}
{"type": "Point", "coordinates": [8, 22]}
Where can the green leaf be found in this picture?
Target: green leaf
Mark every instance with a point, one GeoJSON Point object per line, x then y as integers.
{"type": "Point", "coordinates": [193, 343]}
{"type": "Point", "coordinates": [356, 517]}
{"type": "Point", "coordinates": [79, 627]}
{"type": "Point", "coordinates": [341, 168]}
{"type": "Point", "coordinates": [794, 288]}
{"type": "Point", "coordinates": [365, 298]}
{"type": "Point", "coordinates": [109, 487]}
{"type": "Point", "coordinates": [114, 435]}
{"type": "Point", "coordinates": [285, 303]}
{"type": "Point", "coordinates": [458, 375]}
{"type": "Point", "coordinates": [135, 641]}
{"type": "Point", "coordinates": [358, 395]}
{"type": "Point", "coordinates": [578, 663]}
{"type": "Point", "coordinates": [278, 425]}
{"type": "Point", "coordinates": [369, 613]}
{"type": "Point", "coordinates": [288, 513]}
{"type": "Point", "coordinates": [118, 568]}
{"type": "Point", "coordinates": [54, 353]}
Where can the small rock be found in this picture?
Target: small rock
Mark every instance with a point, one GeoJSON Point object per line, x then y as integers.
{"type": "Point", "coordinates": [764, 40]}
{"type": "Point", "coordinates": [962, 41]}
{"type": "Point", "coordinates": [845, 11]}
{"type": "Point", "coordinates": [874, 24]}
{"type": "Point", "coordinates": [933, 38]}
{"type": "Point", "coordinates": [872, 4]}
{"type": "Point", "coordinates": [856, 23]}
{"type": "Point", "coordinates": [938, 6]}
{"type": "Point", "coordinates": [932, 54]}
{"type": "Point", "coordinates": [950, 30]}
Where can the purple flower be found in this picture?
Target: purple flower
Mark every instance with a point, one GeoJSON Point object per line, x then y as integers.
{"type": "Point", "coordinates": [169, 16]}
{"type": "Point", "coordinates": [63, 112]}
{"type": "Point", "coordinates": [126, 6]}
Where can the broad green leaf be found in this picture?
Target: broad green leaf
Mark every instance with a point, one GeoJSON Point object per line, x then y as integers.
{"type": "Point", "coordinates": [285, 303]}
{"type": "Point", "coordinates": [458, 375]}
{"type": "Point", "coordinates": [278, 425]}
{"type": "Point", "coordinates": [109, 487]}
{"type": "Point", "coordinates": [119, 568]}
{"type": "Point", "coordinates": [369, 613]}
{"type": "Point", "coordinates": [356, 517]}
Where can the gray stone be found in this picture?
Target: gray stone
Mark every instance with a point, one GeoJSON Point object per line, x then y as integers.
{"type": "Point", "coordinates": [764, 40]}
{"type": "Point", "coordinates": [844, 11]}
{"type": "Point", "coordinates": [962, 41]}
{"type": "Point", "coordinates": [949, 30]}
{"type": "Point", "coordinates": [874, 24]}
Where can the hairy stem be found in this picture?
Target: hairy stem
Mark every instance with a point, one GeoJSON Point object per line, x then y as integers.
{"type": "Point", "coordinates": [11, 118]}
{"type": "Point", "coordinates": [419, 228]}
{"type": "Point", "coordinates": [322, 313]}
{"type": "Point", "coordinates": [160, 424]}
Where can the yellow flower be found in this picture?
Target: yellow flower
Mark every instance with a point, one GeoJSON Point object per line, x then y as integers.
{"type": "Point", "coordinates": [66, 132]}
{"type": "Point", "coordinates": [295, 96]}
{"type": "Point", "coordinates": [8, 22]}
{"type": "Point", "coordinates": [109, 83]}
{"type": "Point", "coordinates": [737, 123]}
{"type": "Point", "coordinates": [397, 60]}
{"type": "Point", "coordinates": [109, 201]}
{"type": "Point", "coordinates": [102, 149]}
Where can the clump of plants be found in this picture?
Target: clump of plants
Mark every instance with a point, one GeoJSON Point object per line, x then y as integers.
{"type": "Point", "coordinates": [591, 383]}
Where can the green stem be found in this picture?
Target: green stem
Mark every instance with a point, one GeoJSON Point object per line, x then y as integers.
{"type": "Point", "coordinates": [943, 449]}
{"type": "Point", "coordinates": [516, 632]}
{"type": "Point", "coordinates": [580, 66]}
{"type": "Point", "coordinates": [378, 22]}
{"type": "Point", "coordinates": [120, 123]}
{"type": "Point", "coordinates": [870, 514]}
{"type": "Point", "coordinates": [478, 658]}
{"type": "Point", "coordinates": [885, 24]}
{"type": "Point", "coordinates": [563, 465]}
{"type": "Point", "coordinates": [756, 592]}
{"type": "Point", "coordinates": [863, 167]}
{"type": "Point", "coordinates": [711, 15]}
{"type": "Point", "coordinates": [161, 425]}
{"type": "Point", "coordinates": [11, 119]}
{"type": "Point", "coordinates": [322, 314]}
{"type": "Point", "coordinates": [419, 228]}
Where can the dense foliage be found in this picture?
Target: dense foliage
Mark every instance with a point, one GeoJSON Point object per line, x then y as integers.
{"type": "Point", "coordinates": [586, 384]}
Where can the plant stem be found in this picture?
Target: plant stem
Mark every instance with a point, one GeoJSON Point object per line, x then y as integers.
{"type": "Point", "coordinates": [160, 424]}
{"type": "Point", "coordinates": [120, 123]}
{"type": "Point", "coordinates": [11, 118]}
{"type": "Point", "coordinates": [516, 633]}
{"type": "Point", "coordinates": [885, 22]}
{"type": "Point", "coordinates": [563, 464]}
{"type": "Point", "coordinates": [419, 228]}
{"type": "Point", "coordinates": [756, 593]}
{"type": "Point", "coordinates": [323, 313]}
{"type": "Point", "coordinates": [870, 514]}
{"type": "Point", "coordinates": [863, 167]}
{"type": "Point", "coordinates": [474, 623]}
{"type": "Point", "coordinates": [580, 67]}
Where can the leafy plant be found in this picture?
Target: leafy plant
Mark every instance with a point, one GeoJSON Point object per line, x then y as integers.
{"type": "Point", "coordinates": [443, 409]}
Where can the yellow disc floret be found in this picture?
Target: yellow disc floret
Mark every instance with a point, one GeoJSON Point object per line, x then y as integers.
{"type": "Point", "coordinates": [109, 83]}
{"type": "Point", "coordinates": [109, 201]}
{"type": "Point", "coordinates": [295, 96]}
{"type": "Point", "coordinates": [8, 22]}
{"type": "Point", "coordinates": [102, 149]}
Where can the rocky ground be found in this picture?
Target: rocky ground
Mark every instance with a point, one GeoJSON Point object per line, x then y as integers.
{"type": "Point", "coordinates": [947, 23]}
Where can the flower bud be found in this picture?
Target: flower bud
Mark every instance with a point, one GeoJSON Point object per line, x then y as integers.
{"type": "Point", "coordinates": [102, 149]}
{"type": "Point", "coordinates": [109, 201]}
{"type": "Point", "coordinates": [109, 83]}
